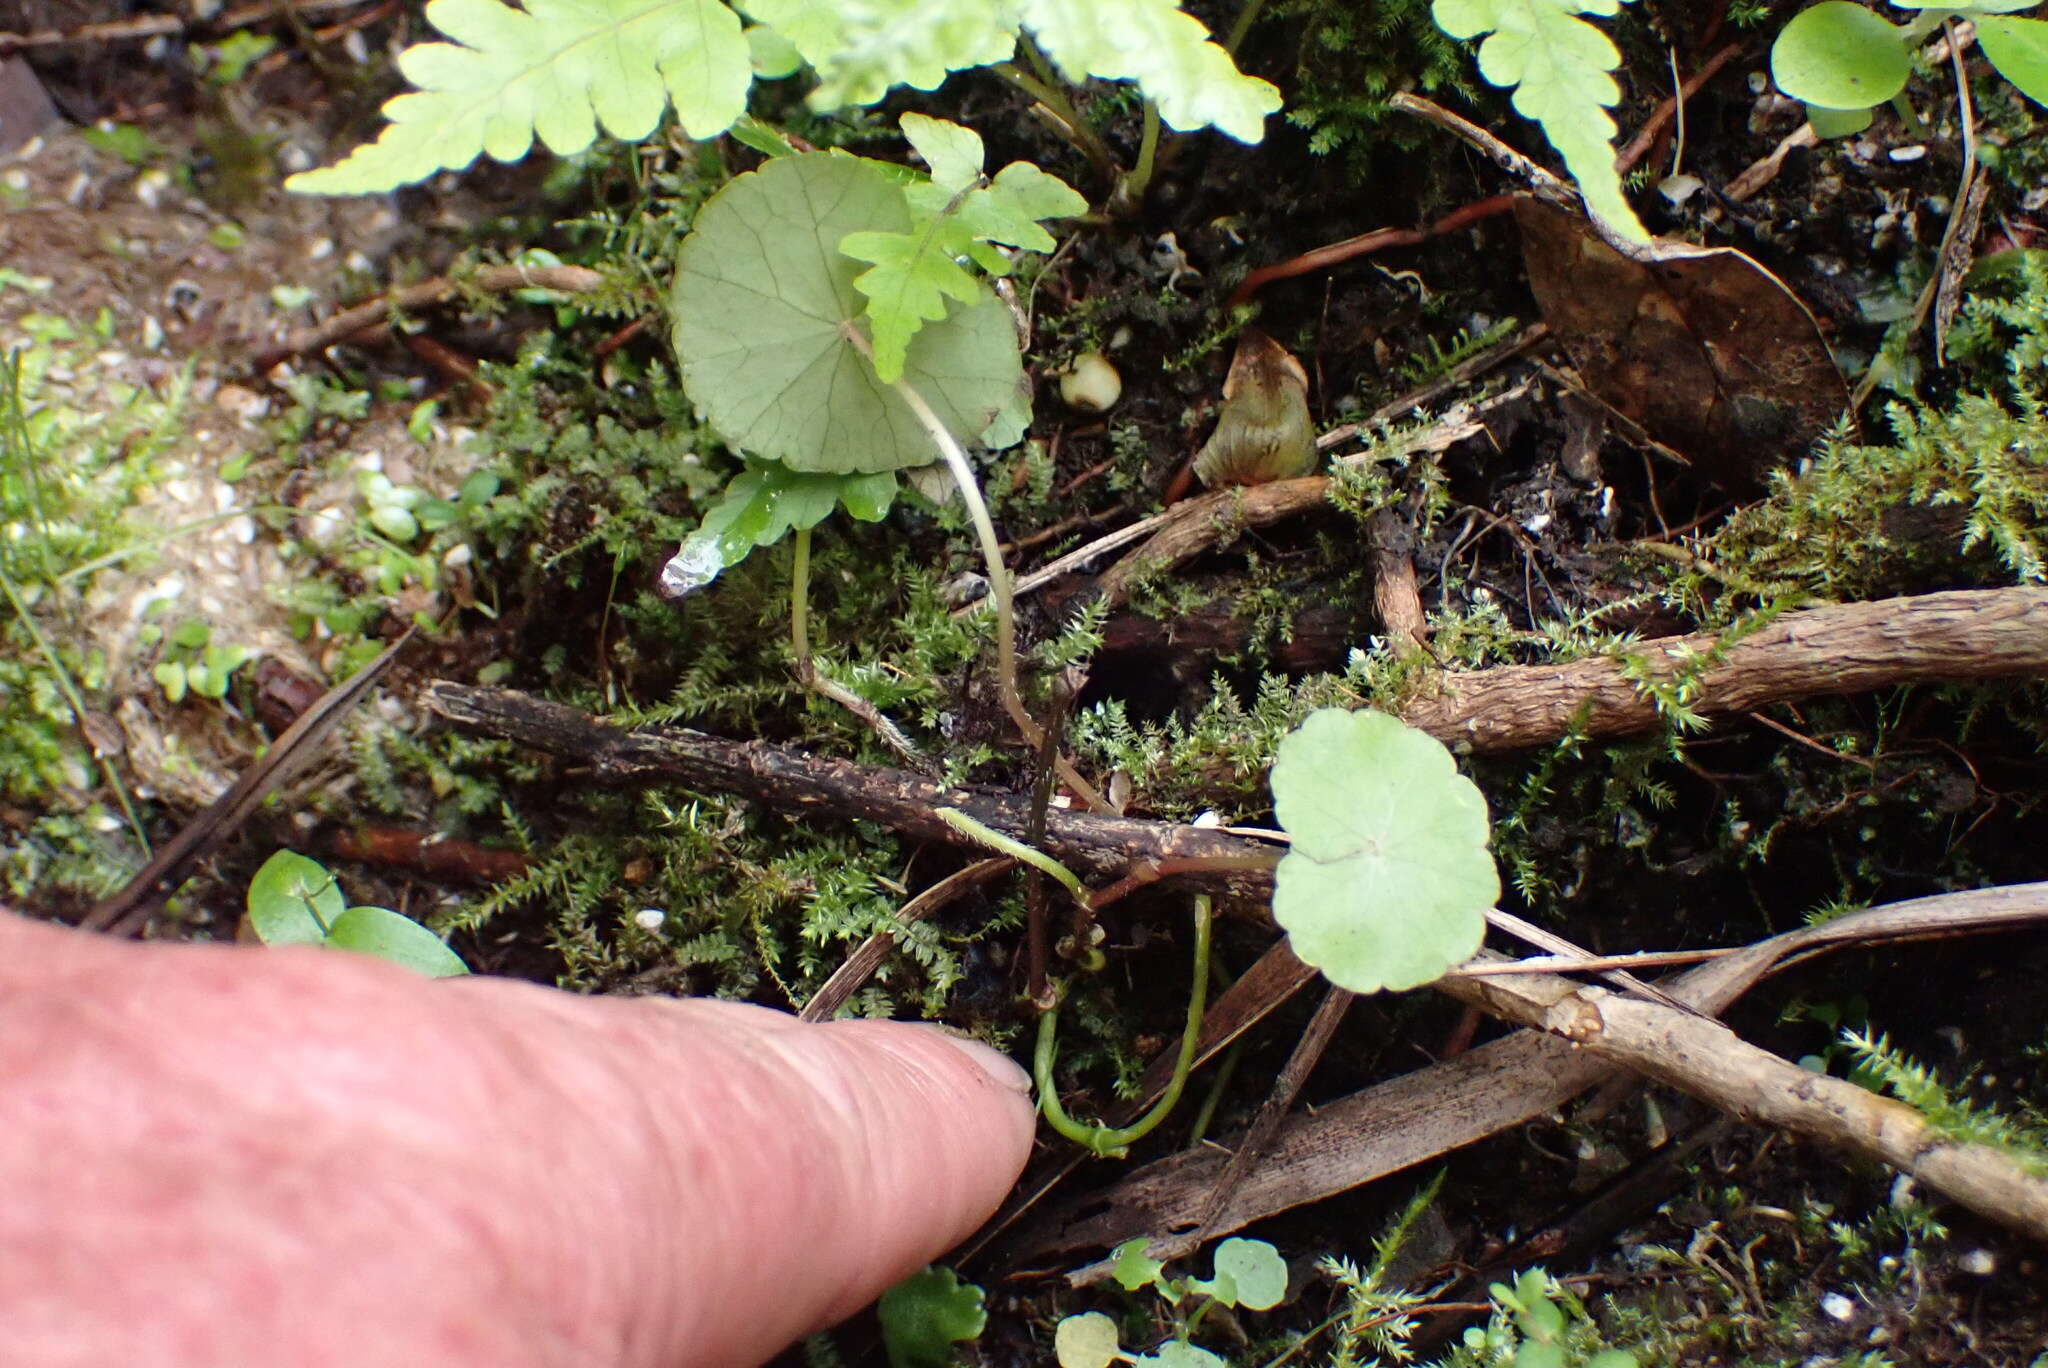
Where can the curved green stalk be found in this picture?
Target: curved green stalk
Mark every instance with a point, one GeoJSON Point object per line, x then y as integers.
{"type": "Point", "coordinates": [1113, 1139]}
{"type": "Point", "coordinates": [1016, 850]}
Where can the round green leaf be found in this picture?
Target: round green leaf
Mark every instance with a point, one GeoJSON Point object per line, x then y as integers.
{"type": "Point", "coordinates": [391, 936]}
{"type": "Point", "coordinates": [293, 900]}
{"type": "Point", "coordinates": [1175, 1354]}
{"type": "Point", "coordinates": [1388, 881]}
{"type": "Point", "coordinates": [2019, 49]}
{"type": "Point", "coordinates": [1257, 1269]}
{"type": "Point", "coordinates": [1837, 123]}
{"type": "Point", "coordinates": [1086, 1341]}
{"type": "Point", "coordinates": [925, 1315]}
{"type": "Point", "coordinates": [764, 314]}
{"type": "Point", "coordinates": [1839, 55]}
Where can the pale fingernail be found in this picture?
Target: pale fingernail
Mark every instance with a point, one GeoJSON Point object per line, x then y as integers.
{"type": "Point", "coordinates": [1000, 1068]}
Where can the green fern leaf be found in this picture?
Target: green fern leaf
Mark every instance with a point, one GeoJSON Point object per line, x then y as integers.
{"type": "Point", "coordinates": [558, 69]}
{"type": "Point", "coordinates": [1557, 64]}
{"type": "Point", "coordinates": [860, 48]}
{"type": "Point", "coordinates": [915, 272]}
{"type": "Point", "coordinates": [907, 286]}
{"type": "Point", "coordinates": [1165, 50]}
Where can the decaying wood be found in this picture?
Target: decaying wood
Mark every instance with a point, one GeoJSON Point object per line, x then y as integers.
{"type": "Point", "coordinates": [1846, 648]}
{"type": "Point", "coordinates": [1418, 1116]}
{"type": "Point", "coordinates": [489, 280]}
{"type": "Point", "coordinates": [786, 778]}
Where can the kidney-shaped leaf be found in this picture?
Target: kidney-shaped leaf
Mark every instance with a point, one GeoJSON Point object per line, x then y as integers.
{"type": "Point", "coordinates": [293, 900]}
{"type": "Point", "coordinates": [395, 937]}
{"type": "Point", "coordinates": [1839, 55]}
{"type": "Point", "coordinates": [765, 313]}
{"type": "Point", "coordinates": [1388, 880]}
{"type": "Point", "coordinates": [2019, 49]}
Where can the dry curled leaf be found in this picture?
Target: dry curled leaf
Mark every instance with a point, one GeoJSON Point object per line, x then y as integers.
{"type": "Point", "coordinates": [1710, 353]}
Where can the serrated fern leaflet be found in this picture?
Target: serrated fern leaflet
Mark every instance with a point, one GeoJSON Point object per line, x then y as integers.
{"type": "Point", "coordinates": [1558, 66]}
{"type": "Point", "coordinates": [560, 70]}
{"type": "Point", "coordinates": [557, 69]}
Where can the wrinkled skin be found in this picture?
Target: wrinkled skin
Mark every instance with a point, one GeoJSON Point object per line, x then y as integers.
{"type": "Point", "coordinates": [221, 1156]}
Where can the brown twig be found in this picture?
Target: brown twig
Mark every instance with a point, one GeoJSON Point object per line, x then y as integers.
{"type": "Point", "coordinates": [127, 912]}
{"type": "Point", "coordinates": [862, 963]}
{"type": "Point", "coordinates": [1653, 127]}
{"type": "Point", "coordinates": [378, 312]}
{"type": "Point", "coordinates": [150, 25]}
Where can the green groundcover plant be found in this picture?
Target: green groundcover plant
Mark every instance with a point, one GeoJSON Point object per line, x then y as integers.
{"type": "Point", "coordinates": [1844, 60]}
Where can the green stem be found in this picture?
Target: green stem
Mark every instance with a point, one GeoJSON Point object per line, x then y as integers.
{"type": "Point", "coordinates": [1108, 1139]}
{"type": "Point", "coordinates": [800, 603]}
{"type": "Point", "coordinates": [1908, 116]}
{"type": "Point", "coordinates": [1016, 850]}
{"type": "Point", "coordinates": [1246, 17]}
{"type": "Point", "coordinates": [1140, 180]}
{"type": "Point", "coordinates": [1054, 99]}
{"type": "Point", "coordinates": [991, 554]}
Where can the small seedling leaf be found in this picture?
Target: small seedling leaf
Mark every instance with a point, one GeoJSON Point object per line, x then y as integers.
{"type": "Point", "coordinates": [2019, 49]}
{"type": "Point", "coordinates": [1837, 123]}
{"type": "Point", "coordinates": [760, 507]}
{"type": "Point", "coordinates": [926, 1314]}
{"type": "Point", "coordinates": [1257, 1269]}
{"type": "Point", "coordinates": [1612, 1358]}
{"type": "Point", "coordinates": [1132, 1268]}
{"type": "Point", "coordinates": [1839, 55]}
{"type": "Point", "coordinates": [765, 315]}
{"type": "Point", "coordinates": [1088, 1340]}
{"type": "Point", "coordinates": [1388, 880]}
{"type": "Point", "coordinates": [395, 937]}
{"type": "Point", "coordinates": [293, 900]}
{"type": "Point", "coordinates": [1175, 1354]}
{"type": "Point", "coordinates": [953, 154]}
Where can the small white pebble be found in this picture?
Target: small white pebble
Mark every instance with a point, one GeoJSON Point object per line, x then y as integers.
{"type": "Point", "coordinates": [1837, 1307]}
{"type": "Point", "coordinates": [649, 919]}
{"type": "Point", "coordinates": [319, 249]}
{"type": "Point", "coordinates": [1980, 1263]}
{"type": "Point", "coordinates": [1908, 154]}
{"type": "Point", "coordinates": [15, 179]}
{"type": "Point", "coordinates": [357, 48]}
{"type": "Point", "coordinates": [1209, 819]}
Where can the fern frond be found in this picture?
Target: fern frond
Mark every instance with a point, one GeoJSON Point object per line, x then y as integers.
{"type": "Point", "coordinates": [1558, 66]}
{"type": "Point", "coordinates": [557, 69]}
{"type": "Point", "coordinates": [1165, 50]}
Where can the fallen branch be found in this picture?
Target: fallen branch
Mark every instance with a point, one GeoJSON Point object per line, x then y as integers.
{"type": "Point", "coordinates": [1845, 648]}
{"type": "Point", "coordinates": [372, 313]}
{"type": "Point", "coordinates": [786, 778]}
{"type": "Point", "coordinates": [1965, 634]}
{"type": "Point", "coordinates": [1432, 1111]}
{"type": "Point", "coordinates": [150, 25]}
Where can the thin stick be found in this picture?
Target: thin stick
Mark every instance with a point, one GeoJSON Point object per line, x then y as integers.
{"type": "Point", "coordinates": [862, 963]}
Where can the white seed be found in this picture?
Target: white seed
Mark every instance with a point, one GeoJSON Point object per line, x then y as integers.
{"type": "Point", "coordinates": [1837, 1307]}
{"type": "Point", "coordinates": [649, 919]}
{"type": "Point", "coordinates": [1091, 384]}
